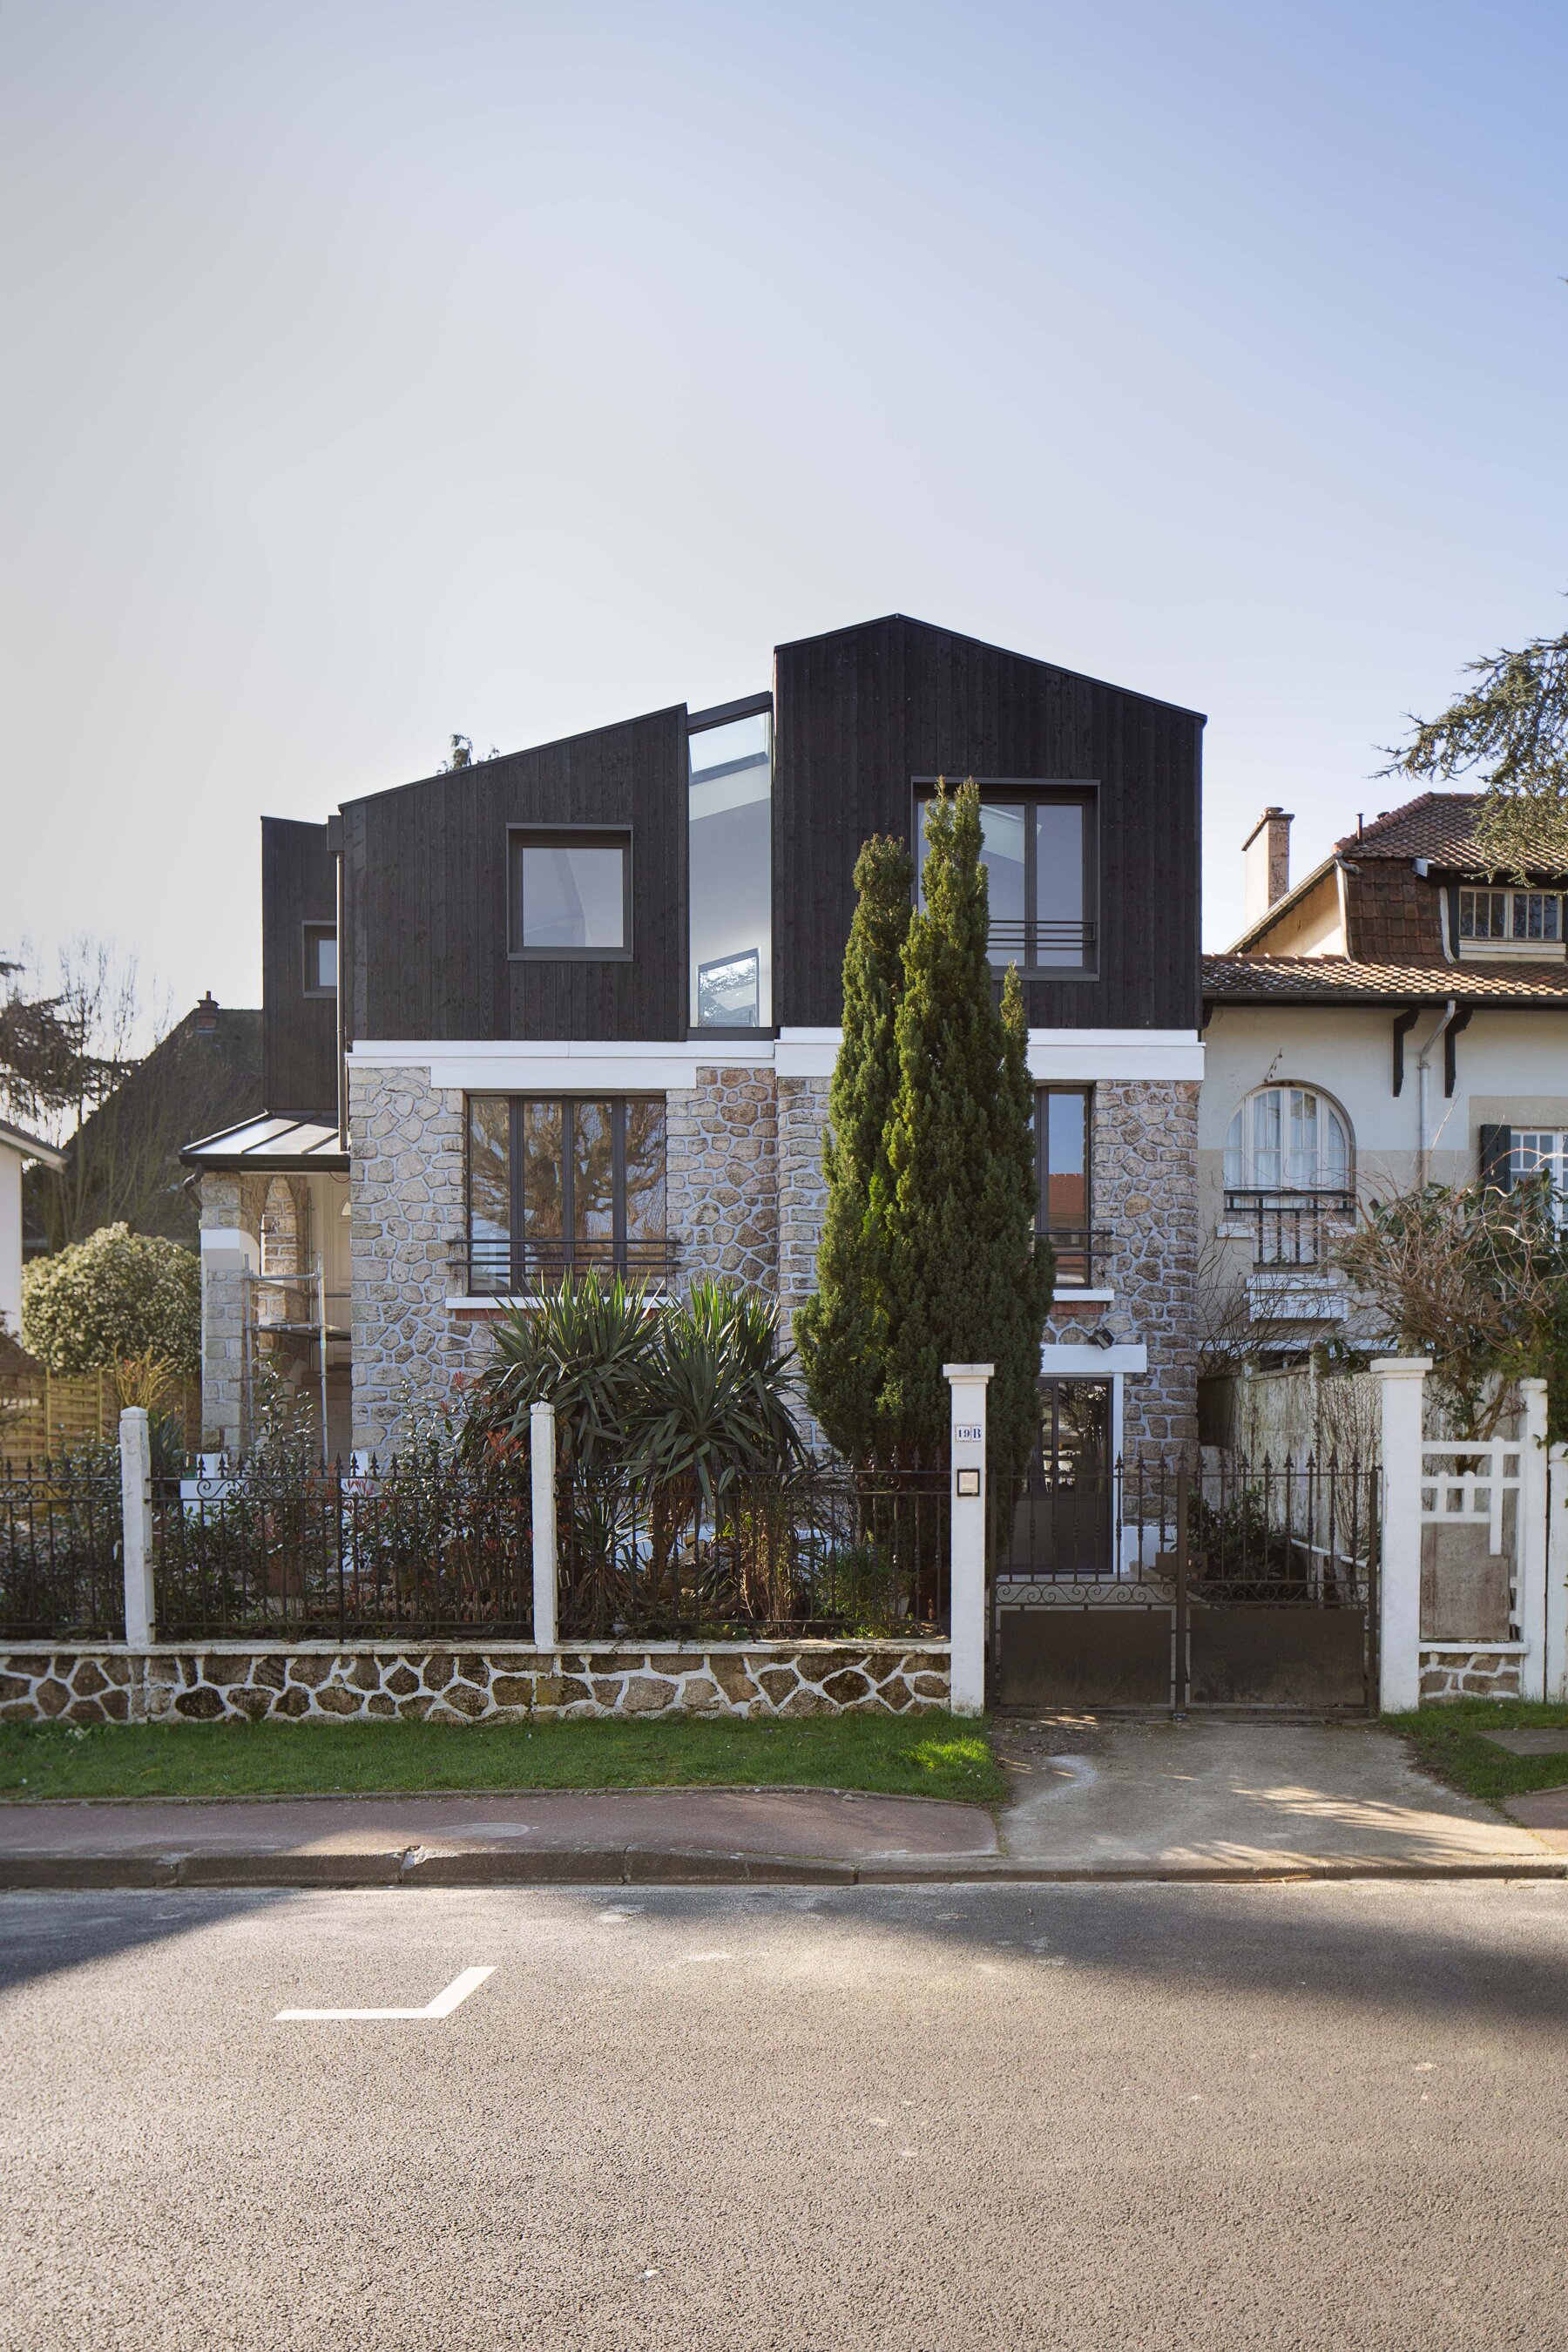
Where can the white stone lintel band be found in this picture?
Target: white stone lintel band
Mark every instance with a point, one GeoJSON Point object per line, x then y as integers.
{"type": "Point", "coordinates": [476, 1065]}
{"type": "Point", "coordinates": [1079, 1360]}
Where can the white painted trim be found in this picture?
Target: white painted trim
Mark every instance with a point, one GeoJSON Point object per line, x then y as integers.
{"type": "Point", "coordinates": [1474, 1649]}
{"type": "Point", "coordinates": [1068, 1296]}
{"type": "Point", "coordinates": [547, 1066]}
{"type": "Point", "coordinates": [1077, 1360]}
{"type": "Point", "coordinates": [231, 1237]}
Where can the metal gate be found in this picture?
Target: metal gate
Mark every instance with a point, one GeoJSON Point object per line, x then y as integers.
{"type": "Point", "coordinates": [1185, 1580]}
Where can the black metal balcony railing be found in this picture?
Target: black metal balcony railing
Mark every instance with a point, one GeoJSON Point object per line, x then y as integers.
{"type": "Point", "coordinates": [1039, 945]}
{"type": "Point", "coordinates": [1291, 1228]}
{"type": "Point", "coordinates": [1082, 1255]}
{"type": "Point", "coordinates": [508, 1269]}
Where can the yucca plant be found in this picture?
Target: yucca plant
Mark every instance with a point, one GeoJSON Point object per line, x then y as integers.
{"type": "Point", "coordinates": [586, 1350]}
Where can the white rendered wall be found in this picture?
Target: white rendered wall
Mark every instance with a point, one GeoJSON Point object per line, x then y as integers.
{"type": "Point", "coordinates": [11, 1240]}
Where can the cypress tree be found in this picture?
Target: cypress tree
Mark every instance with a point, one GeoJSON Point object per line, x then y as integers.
{"type": "Point", "coordinates": [841, 1331]}
{"type": "Point", "coordinates": [952, 1200]}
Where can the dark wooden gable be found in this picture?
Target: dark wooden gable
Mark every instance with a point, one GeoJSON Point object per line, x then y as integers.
{"type": "Point", "coordinates": [862, 713]}
{"type": "Point", "coordinates": [299, 1032]}
{"type": "Point", "coordinates": [425, 894]}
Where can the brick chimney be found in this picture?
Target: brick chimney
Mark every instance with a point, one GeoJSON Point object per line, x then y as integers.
{"type": "Point", "coordinates": [1268, 853]}
{"type": "Point", "coordinates": [206, 1015]}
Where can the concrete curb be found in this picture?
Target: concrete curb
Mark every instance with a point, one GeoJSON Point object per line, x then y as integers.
{"type": "Point", "coordinates": [648, 1866]}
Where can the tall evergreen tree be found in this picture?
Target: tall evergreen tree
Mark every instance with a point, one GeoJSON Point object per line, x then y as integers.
{"type": "Point", "coordinates": [841, 1330]}
{"type": "Point", "coordinates": [953, 1202]}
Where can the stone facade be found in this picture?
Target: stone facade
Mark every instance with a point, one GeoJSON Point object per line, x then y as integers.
{"type": "Point", "coordinates": [723, 1176]}
{"type": "Point", "coordinates": [1145, 1196]}
{"type": "Point", "coordinates": [1454, 1671]}
{"type": "Point", "coordinates": [323, 1682]}
{"type": "Point", "coordinates": [408, 1230]}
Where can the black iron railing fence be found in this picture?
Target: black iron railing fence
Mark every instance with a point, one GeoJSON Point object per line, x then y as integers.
{"type": "Point", "coordinates": [1291, 1228]}
{"type": "Point", "coordinates": [1083, 1254]}
{"type": "Point", "coordinates": [61, 1576]}
{"type": "Point", "coordinates": [1289, 1534]}
{"type": "Point", "coordinates": [414, 1545]}
{"type": "Point", "coordinates": [503, 1268]}
{"type": "Point", "coordinates": [1041, 942]}
{"type": "Point", "coordinates": [824, 1553]}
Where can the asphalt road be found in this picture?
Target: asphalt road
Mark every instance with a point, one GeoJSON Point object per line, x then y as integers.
{"type": "Point", "coordinates": [1082, 2116]}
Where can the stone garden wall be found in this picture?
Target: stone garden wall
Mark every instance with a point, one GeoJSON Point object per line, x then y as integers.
{"type": "Point", "coordinates": [327, 1682]}
{"type": "Point", "coordinates": [1453, 1670]}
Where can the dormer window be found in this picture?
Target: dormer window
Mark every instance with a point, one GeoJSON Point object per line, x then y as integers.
{"type": "Point", "coordinates": [1509, 923]}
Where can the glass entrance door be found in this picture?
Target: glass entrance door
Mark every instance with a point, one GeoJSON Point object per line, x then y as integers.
{"type": "Point", "coordinates": [1062, 1520]}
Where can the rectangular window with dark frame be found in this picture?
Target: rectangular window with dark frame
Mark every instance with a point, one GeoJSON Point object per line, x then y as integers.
{"type": "Point", "coordinates": [1064, 1120]}
{"type": "Point", "coordinates": [321, 958]}
{"type": "Point", "coordinates": [564, 1183]}
{"type": "Point", "coordinates": [1038, 849]}
{"type": "Point", "coordinates": [570, 892]}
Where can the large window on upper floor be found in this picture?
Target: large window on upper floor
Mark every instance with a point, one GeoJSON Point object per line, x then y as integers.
{"type": "Point", "coordinates": [570, 892]}
{"type": "Point", "coordinates": [729, 889]}
{"type": "Point", "coordinates": [564, 1185]}
{"type": "Point", "coordinates": [1038, 849]}
{"type": "Point", "coordinates": [1287, 1140]}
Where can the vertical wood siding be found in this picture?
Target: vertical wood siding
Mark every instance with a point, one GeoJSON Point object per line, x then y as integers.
{"type": "Point", "coordinates": [425, 891]}
{"type": "Point", "coordinates": [299, 1032]}
{"type": "Point", "coordinates": [860, 713]}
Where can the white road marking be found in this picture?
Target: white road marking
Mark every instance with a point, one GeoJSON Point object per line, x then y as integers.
{"type": "Point", "coordinates": [442, 2006]}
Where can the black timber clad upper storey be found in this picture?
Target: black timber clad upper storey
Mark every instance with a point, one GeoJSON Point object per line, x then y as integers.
{"type": "Point", "coordinates": [425, 892]}
{"type": "Point", "coordinates": [860, 713]}
{"type": "Point", "coordinates": [299, 1032]}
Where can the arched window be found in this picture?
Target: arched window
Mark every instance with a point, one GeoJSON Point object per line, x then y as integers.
{"type": "Point", "coordinates": [1287, 1140]}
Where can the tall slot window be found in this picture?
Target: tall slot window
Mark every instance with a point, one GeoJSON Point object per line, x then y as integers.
{"type": "Point", "coordinates": [564, 1183]}
{"type": "Point", "coordinates": [1063, 1127]}
{"type": "Point", "coordinates": [1037, 847]}
{"type": "Point", "coordinates": [730, 891]}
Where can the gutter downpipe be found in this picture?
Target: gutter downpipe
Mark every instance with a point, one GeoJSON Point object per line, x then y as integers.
{"type": "Point", "coordinates": [1423, 1066]}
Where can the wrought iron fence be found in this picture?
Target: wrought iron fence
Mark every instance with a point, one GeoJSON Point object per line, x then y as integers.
{"type": "Point", "coordinates": [498, 1267]}
{"type": "Point", "coordinates": [1292, 1228]}
{"type": "Point", "coordinates": [1292, 1534]}
{"type": "Point", "coordinates": [418, 1545]}
{"type": "Point", "coordinates": [60, 1564]}
{"type": "Point", "coordinates": [823, 1553]}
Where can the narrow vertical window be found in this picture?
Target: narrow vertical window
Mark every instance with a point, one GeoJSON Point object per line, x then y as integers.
{"type": "Point", "coordinates": [730, 873]}
{"type": "Point", "coordinates": [1062, 1131]}
{"type": "Point", "coordinates": [490, 1193]}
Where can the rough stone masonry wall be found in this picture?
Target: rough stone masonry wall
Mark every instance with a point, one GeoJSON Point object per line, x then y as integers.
{"type": "Point", "coordinates": [230, 1203]}
{"type": "Point", "coordinates": [1144, 1195]}
{"type": "Point", "coordinates": [321, 1682]}
{"type": "Point", "coordinates": [1455, 1673]}
{"type": "Point", "coordinates": [406, 1234]}
{"type": "Point", "coordinates": [721, 1176]}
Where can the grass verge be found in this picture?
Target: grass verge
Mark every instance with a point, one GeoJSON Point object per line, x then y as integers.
{"type": "Point", "coordinates": [1448, 1742]}
{"type": "Point", "coordinates": [904, 1756]}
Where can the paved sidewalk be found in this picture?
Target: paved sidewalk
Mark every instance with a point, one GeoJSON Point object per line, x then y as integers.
{"type": "Point", "coordinates": [1103, 1797]}
{"type": "Point", "coordinates": [1249, 1795]}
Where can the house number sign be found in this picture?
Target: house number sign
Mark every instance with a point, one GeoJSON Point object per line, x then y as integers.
{"type": "Point", "coordinates": [967, 1433]}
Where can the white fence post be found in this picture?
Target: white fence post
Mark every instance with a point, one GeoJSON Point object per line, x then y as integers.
{"type": "Point", "coordinates": [1400, 1381]}
{"type": "Point", "coordinates": [966, 1579]}
{"type": "Point", "coordinates": [1530, 1537]}
{"type": "Point", "coordinates": [542, 1465]}
{"type": "Point", "coordinates": [136, 1521]}
{"type": "Point", "coordinates": [1555, 1676]}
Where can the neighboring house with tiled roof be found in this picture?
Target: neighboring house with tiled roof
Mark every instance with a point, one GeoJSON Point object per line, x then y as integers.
{"type": "Point", "coordinates": [1397, 1016]}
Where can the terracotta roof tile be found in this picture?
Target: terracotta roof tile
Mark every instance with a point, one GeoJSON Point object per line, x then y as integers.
{"type": "Point", "coordinates": [1236, 978]}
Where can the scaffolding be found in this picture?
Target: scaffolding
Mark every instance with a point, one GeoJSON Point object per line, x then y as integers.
{"type": "Point", "coordinates": [291, 1315]}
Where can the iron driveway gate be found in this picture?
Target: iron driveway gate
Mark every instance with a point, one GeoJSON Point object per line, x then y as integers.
{"type": "Point", "coordinates": [1186, 1580]}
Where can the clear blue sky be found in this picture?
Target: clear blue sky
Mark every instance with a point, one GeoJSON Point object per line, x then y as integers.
{"type": "Point", "coordinates": [378, 370]}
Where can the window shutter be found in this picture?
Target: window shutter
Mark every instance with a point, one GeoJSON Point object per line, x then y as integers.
{"type": "Point", "coordinates": [1497, 1158]}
